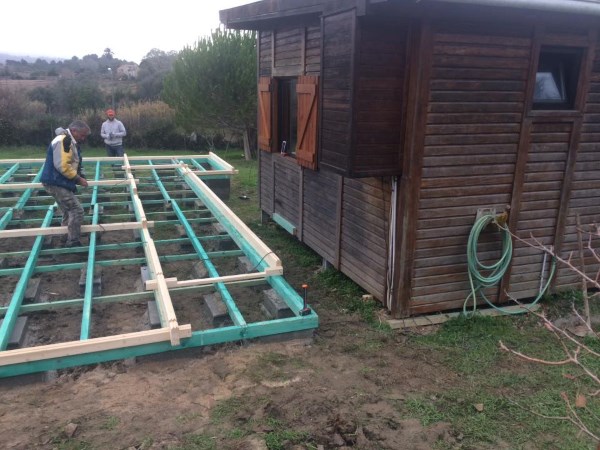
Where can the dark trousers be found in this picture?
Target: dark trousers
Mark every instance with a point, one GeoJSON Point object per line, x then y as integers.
{"type": "Point", "coordinates": [114, 150]}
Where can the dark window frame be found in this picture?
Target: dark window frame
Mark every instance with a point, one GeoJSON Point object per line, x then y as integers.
{"type": "Point", "coordinates": [558, 72]}
{"type": "Point", "coordinates": [287, 115]}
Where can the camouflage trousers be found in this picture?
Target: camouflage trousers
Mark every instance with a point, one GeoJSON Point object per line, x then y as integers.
{"type": "Point", "coordinates": [72, 211]}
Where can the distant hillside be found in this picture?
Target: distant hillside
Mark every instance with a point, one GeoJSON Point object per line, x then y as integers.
{"type": "Point", "coordinates": [29, 59]}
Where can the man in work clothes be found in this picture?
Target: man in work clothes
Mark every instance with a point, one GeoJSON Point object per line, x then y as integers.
{"type": "Point", "coordinates": [112, 132]}
{"type": "Point", "coordinates": [62, 174]}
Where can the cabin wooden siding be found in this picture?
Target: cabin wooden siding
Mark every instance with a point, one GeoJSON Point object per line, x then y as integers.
{"type": "Point", "coordinates": [337, 79]}
{"type": "Point", "coordinates": [379, 97]}
{"type": "Point", "coordinates": [364, 232]}
{"type": "Point", "coordinates": [344, 220]}
{"type": "Point", "coordinates": [473, 120]}
{"type": "Point", "coordinates": [364, 68]}
{"type": "Point", "coordinates": [545, 169]}
{"type": "Point", "coordinates": [585, 193]}
{"type": "Point", "coordinates": [474, 143]}
{"type": "Point", "coordinates": [484, 149]}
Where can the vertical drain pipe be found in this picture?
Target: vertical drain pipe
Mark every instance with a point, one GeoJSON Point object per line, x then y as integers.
{"type": "Point", "coordinates": [391, 244]}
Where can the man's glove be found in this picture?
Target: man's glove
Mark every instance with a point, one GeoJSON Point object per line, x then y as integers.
{"type": "Point", "coordinates": [67, 143]}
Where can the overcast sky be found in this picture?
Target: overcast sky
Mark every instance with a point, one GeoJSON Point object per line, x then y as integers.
{"type": "Point", "coordinates": [130, 28]}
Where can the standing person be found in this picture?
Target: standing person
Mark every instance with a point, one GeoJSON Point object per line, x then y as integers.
{"type": "Point", "coordinates": [113, 131]}
{"type": "Point", "coordinates": [62, 173]}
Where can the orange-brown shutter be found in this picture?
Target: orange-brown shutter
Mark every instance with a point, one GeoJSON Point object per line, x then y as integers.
{"type": "Point", "coordinates": [306, 148]}
{"type": "Point", "coordinates": [265, 114]}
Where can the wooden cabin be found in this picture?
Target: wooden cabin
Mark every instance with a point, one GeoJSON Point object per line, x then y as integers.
{"type": "Point", "coordinates": [385, 126]}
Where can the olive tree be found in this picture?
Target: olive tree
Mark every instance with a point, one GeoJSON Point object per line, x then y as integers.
{"type": "Point", "coordinates": [213, 85]}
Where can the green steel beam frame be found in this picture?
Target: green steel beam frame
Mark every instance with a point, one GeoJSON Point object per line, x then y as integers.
{"type": "Point", "coordinates": [165, 176]}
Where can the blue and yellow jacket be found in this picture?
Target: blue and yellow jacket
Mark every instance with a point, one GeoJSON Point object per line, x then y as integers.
{"type": "Point", "coordinates": [63, 165]}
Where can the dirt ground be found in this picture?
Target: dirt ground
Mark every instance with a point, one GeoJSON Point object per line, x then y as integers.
{"type": "Point", "coordinates": [343, 387]}
{"type": "Point", "coordinates": [340, 388]}
{"type": "Point", "coordinates": [334, 389]}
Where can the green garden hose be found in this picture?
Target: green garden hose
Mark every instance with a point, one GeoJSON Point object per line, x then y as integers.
{"type": "Point", "coordinates": [482, 276]}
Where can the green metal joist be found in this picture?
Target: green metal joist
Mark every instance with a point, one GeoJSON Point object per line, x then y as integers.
{"type": "Point", "coordinates": [164, 181]}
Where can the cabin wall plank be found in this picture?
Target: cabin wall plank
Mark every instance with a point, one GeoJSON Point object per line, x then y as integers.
{"type": "Point", "coordinates": [474, 113]}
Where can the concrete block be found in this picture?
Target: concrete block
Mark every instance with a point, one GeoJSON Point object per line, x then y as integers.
{"type": "Point", "coordinates": [199, 270]}
{"type": "Point", "coordinates": [100, 210]}
{"type": "Point", "coordinates": [180, 231]}
{"type": "Point", "coordinates": [18, 332]}
{"type": "Point", "coordinates": [274, 307]}
{"type": "Point", "coordinates": [47, 241]}
{"type": "Point", "coordinates": [153, 316]}
{"type": "Point", "coordinates": [33, 290]}
{"type": "Point", "coordinates": [245, 265]}
{"type": "Point", "coordinates": [187, 244]}
{"type": "Point", "coordinates": [220, 186]}
{"type": "Point", "coordinates": [216, 309]}
{"type": "Point", "coordinates": [97, 281]}
{"type": "Point", "coordinates": [224, 244]}
{"type": "Point", "coordinates": [145, 274]}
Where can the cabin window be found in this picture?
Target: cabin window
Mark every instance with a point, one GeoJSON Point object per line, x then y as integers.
{"type": "Point", "coordinates": [287, 117]}
{"type": "Point", "coordinates": [556, 78]}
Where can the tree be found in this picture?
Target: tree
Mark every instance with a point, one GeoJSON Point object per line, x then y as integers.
{"type": "Point", "coordinates": [213, 85]}
{"type": "Point", "coordinates": [153, 69]}
{"type": "Point", "coordinates": [79, 94]}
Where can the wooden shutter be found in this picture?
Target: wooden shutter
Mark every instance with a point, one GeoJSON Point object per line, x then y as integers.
{"type": "Point", "coordinates": [307, 94]}
{"type": "Point", "coordinates": [266, 87]}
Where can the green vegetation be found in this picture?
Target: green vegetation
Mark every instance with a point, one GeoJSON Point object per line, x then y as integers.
{"type": "Point", "coordinates": [198, 442]}
{"type": "Point", "coordinates": [502, 398]}
{"type": "Point", "coordinates": [213, 85]}
{"type": "Point", "coordinates": [39, 97]}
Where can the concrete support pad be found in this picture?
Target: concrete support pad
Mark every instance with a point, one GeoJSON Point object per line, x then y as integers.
{"type": "Point", "coordinates": [244, 265]}
{"type": "Point", "coordinates": [186, 245]}
{"type": "Point", "coordinates": [199, 270]}
{"type": "Point", "coordinates": [217, 310]}
{"type": "Point", "coordinates": [18, 333]}
{"type": "Point", "coordinates": [33, 290]}
{"type": "Point", "coordinates": [153, 316]}
{"type": "Point", "coordinates": [47, 241]}
{"type": "Point", "coordinates": [97, 281]}
{"type": "Point", "coordinates": [274, 306]}
{"type": "Point", "coordinates": [224, 244]}
{"type": "Point", "coordinates": [220, 186]}
{"type": "Point", "coordinates": [145, 274]}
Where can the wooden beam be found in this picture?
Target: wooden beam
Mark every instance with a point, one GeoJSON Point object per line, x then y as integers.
{"type": "Point", "coordinates": [71, 348]}
{"type": "Point", "coordinates": [24, 186]}
{"type": "Point", "coordinates": [4, 234]}
{"type": "Point", "coordinates": [435, 319]}
{"type": "Point", "coordinates": [174, 283]}
{"type": "Point", "coordinates": [268, 256]}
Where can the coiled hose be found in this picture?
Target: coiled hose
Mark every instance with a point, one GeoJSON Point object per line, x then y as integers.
{"type": "Point", "coordinates": [493, 272]}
